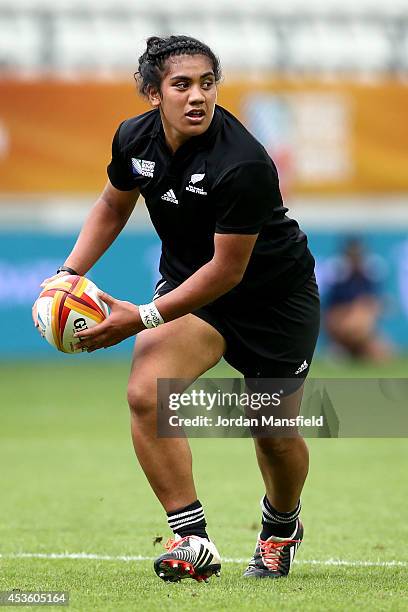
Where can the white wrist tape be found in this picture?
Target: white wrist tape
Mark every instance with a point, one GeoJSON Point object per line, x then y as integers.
{"type": "Point", "coordinates": [150, 315]}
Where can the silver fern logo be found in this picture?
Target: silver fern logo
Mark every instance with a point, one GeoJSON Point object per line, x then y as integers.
{"type": "Point", "coordinates": [196, 178]}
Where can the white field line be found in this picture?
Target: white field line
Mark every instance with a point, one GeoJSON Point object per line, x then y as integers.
{"type": "Point", "coordinates": [96, 557]}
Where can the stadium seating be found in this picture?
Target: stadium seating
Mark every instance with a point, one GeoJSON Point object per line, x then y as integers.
{"type": "Point", "coordinates": [25, 54]}
{"type": "Point", "coordinates": [324, 35]}
{"type": "Point", "coordinates": [315, 47]}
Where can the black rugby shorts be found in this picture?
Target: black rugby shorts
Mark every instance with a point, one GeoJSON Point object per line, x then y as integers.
{"type": "Point", "coordinates": [270, 340]}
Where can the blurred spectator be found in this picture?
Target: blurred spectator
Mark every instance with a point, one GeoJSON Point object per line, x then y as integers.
{"type": "Point", "coordinates": [354, 305]}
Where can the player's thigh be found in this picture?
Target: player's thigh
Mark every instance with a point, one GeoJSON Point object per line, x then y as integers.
{"type": "Point", "coordinates": [184, 348]}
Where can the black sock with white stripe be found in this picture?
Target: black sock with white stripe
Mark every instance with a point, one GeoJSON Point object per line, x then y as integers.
{"type": "Point", "coordinates": [275, 523]}
{"type": "Point", "coordinates": [189, 520]}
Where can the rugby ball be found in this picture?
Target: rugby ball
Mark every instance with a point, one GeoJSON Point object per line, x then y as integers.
{"type": "Point", "coordinates": [67, 305]}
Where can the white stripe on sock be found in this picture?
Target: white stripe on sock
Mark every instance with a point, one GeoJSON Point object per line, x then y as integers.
{"type": "Point", "coordinates": [186, 519]}
{"type": "Point", "coordinates": [188, 512]}
{"type": "Point", "coordinates": [186, 522]}
{"type": "Point", "coordinates": [270, 518]}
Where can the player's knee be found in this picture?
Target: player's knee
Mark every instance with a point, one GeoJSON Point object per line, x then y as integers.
{"type": "Point", "coordinates": [142, 398]}
{"type": "Point", "coordinates": [277, 447]}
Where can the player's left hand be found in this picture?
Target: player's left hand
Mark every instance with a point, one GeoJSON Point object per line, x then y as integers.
{"type": "Point", "coordinates": [124, 321]}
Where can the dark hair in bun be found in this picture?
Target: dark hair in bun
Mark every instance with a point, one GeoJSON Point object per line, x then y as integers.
{"type": "Point", "coordinates": [152, 63]}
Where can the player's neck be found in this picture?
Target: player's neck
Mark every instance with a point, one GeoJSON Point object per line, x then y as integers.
{"type": "Point", "coordinates": [174, 139]}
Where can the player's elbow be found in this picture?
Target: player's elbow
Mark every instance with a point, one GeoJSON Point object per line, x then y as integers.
{"type": "Point", "coordinates": [236, 277]}
{"type": "Point", "coordinates": [232, 277]}
{"type": "Point", "coordinates": [228, 274]}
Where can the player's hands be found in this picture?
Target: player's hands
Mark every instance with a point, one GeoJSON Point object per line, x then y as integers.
{"type": "Point", "coordinates": [34, 307]}
{"type": "Point", "coordinates": [53, 278]}
{"type": "Point", "coordinates": [124, 321]}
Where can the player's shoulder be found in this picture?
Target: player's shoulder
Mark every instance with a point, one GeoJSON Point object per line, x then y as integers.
{"type": "Point", "coordinates": [241, 144]}
{"type": "Point", "coordinates": [237, 146]}
{"type": "Point", "coordinates": [135, 129]}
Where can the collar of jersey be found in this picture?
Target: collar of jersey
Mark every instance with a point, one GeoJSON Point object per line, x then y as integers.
{"type": "Point", "coordinates": [196, 142]}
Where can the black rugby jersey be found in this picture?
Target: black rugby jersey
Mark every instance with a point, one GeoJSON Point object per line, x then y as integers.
{"type": "Point", "coordinates": [222, 181]}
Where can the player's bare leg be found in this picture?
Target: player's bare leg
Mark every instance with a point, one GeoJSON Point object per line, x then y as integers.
{"type": "Point", "coordinates": [284, 464]}
{"type": "Point", "coordinates": [184, 348]}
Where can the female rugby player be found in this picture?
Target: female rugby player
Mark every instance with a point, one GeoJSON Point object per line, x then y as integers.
{"type": "Point", "coordinates": [237, 281]}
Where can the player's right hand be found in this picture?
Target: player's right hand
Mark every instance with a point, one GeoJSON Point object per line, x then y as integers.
{"type": "Point", "coordinates": [45, 282]}
{"type": "Point", "coordinates": [52, 278]}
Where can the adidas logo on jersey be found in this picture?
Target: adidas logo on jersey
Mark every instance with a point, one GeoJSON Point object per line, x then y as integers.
{"type": "Point", "coordinates": [196, 178]}
{"type": "Point", "coordinates": [170, 196]}
{"type": "Point", "coordinates": [302, 368]}
{"type": "Point", "coordinates": [143, 167]}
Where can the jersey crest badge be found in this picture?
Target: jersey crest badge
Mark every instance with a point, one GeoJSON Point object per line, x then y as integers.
{"type": "Point", "coordinates": [142, 167]}
{"type": "Point", "coordinates": [196, 178]}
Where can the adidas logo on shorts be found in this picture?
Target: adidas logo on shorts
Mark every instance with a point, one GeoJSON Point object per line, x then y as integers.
{"type": "Point", "coordinates": [170, 196]}
{"type": "Point", "coordinates": [302, 368]}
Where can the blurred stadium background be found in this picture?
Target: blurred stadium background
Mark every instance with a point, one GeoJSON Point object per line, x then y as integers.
{"type": "Point", "coordinates": [323, 85]}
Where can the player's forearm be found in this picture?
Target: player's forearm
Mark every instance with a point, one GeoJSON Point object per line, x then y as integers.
{"type": "Point", "coordinates": [98, 232]}
{"type": "Point", "coordinates": [204, 286]}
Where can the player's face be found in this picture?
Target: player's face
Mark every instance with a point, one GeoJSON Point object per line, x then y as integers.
{"type": "Point", "coordinates": [187, 98]}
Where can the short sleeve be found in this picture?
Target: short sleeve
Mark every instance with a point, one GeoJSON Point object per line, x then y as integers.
{"type": "Point", "coordinates": [119, 170]}
{"type": "Point", "coordinates": [245, 197]}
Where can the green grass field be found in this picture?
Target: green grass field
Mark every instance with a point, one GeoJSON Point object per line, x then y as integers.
{"type": "Point", "coordinates": [70, 484]}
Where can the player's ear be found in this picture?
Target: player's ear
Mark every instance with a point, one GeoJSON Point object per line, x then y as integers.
{"type": "Point", "coordinates": [154, 97]}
